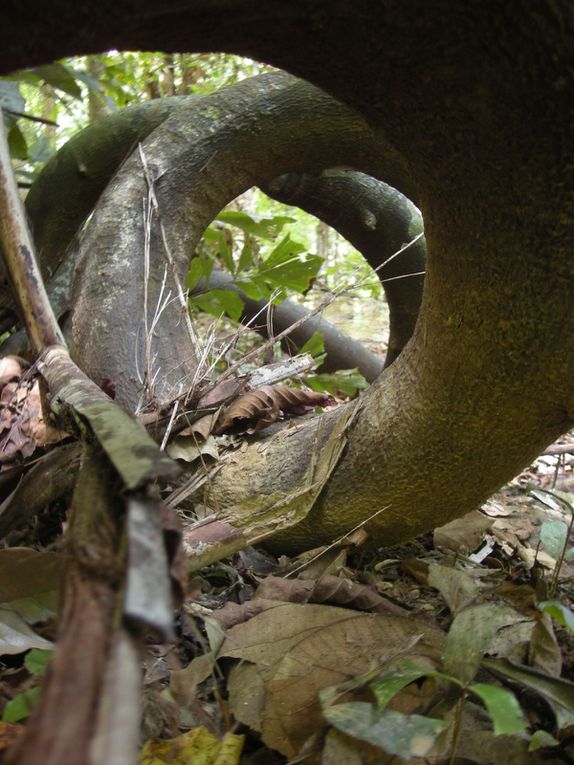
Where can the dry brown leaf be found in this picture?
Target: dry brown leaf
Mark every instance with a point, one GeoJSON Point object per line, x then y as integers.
{"type": "Point", "coordinates": [189, 449]}
{"type": "Point", "coordinates": [457, 587]}
{"type": "Point", "coordinates": [299, 649]}
{"type": "Point", "coordinates": [25, 572]}
{"type": "Point", "coordinates": [544, 651]}
{"type": "Point", "coordinates": [220, 394]}
{"type": "Point", "coordinates": [463, 535]}
{"type": "Point", "coordinates": [200, 428]}
{"type": "Point", "coordinates": [262, 407]}
{"type": "Point", "coordinates": [327, 589]}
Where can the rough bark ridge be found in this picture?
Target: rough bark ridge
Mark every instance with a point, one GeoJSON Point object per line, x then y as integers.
{"type": "Point", "coordinates": [476, 99]}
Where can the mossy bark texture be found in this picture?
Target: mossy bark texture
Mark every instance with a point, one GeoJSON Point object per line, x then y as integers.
{"type": "Point", "coordinates": [467, 108]}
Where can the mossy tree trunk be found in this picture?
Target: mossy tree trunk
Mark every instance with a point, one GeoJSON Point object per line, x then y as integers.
{"type": "Point", "coordinates": [472, 104]}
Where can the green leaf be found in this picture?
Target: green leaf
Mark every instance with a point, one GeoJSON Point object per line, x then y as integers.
{"type": "Point", "coordinates": [17, 143]}
{"type": "Point", "coordinates": [37, 660]}
{"type": "Point", "coordinates": [553, 537]}
{"type": "Point", "coordinates": [406, 736]}
{"type": "Point", "coordinates": [217, 302]}
{"type": "Point", "coordinates": [287, 267]}
{"type": "Point", "coordinates": [559, 612]}
{"type": "Point", "coordinates": [541, 739]}
{"type": "Point", "coordinates": [346, 382]}
{"type": "Point", "coordinates": [246, 259]}
{"type": "Point", "coordinates": [558, 691]}
{"type": "Point", "coordinates": [20, 706]}
{"type": "Point", "coordinates": [59, 76]}
{"type": "Point", "coordinates": [503, 708]}
{"type": "Point", "coordinates": [391, 683]}
{"type": "Point", "coordinates": [315, 345]}
{"type": "Point", "coordinates": [265, 227]}
{"type": "Point", "coordinates": [195, 273]}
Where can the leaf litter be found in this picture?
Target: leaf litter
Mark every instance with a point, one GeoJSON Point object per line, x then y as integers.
{"type": "Point", "coordinates": [352, 657]}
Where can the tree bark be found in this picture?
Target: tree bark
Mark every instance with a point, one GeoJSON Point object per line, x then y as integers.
{"type": "Point", "coordinates": [203, 157]}
{"type": "Point", "coordinates": [475, 99]}
{"type": "Point", "coordinates": [377, 220]}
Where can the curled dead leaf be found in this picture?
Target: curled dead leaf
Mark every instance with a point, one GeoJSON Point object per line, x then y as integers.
{"type": "Point", "coordinates": [262, 407]}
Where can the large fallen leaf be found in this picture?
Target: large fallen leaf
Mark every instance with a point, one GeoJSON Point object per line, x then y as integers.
{"type": "Point", "coordinates": [26, 573]}
{"type": "Point", "coordinates": [296, 650]}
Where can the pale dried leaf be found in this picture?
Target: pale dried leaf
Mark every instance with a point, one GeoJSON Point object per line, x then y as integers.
{"type": "Point", "coordinates": [10, 369]}
{"type": "Point", "coordinates": [464, 534]}
{"type": "Point", "coordinates": [16, 636]}
{"type": "Point", "coordinates": [545, 654]}
{"type": "Point", "coordinates": [189, 449]}
{"type": "Point", "coordinates": [457, 587]}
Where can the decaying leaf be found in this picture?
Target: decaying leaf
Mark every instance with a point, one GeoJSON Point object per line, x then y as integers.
{"type": "Point", "coordinates": [457, 587]}
{"type": "Point", "coordinates": [25, 573]}
{"type": "Point", "coordinates": [471, 635]}
{"type": "Point", "coordinates": [189, 448]}
{"type": "Point", "coordinates": [197, 746]}
{"type": "Point", "coordinates": [262, 407]}
{"type": "Point", "coordinates": [296, 650]}
{"type": "Point", "coordinates": [327, 589]}
{"type": "Point", "coordinates": [23, 427]}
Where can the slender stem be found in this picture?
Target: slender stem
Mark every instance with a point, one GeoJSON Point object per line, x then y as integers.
{"type": "Point", "coordinates": [20, 260]}
{"type": "Point", "coordinates": [457, 728]}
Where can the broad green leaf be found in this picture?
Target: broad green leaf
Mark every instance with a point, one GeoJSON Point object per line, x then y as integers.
{"type": "Point", "coordinates": [503, 708]}
{"type": "Point", "coordinates": [195, 273]}
{"type": "Point", "coordinates": [265, 227]}
{"type": "Point", "coordinates": [20, 706]}
{"type": "Point", "coordinates": [391, 683]}
{"type": "Point", "coordinates": [37, 660]}
{"type": "Point", "coordinates": [218, 302]}
{"type": "Point", "coordinates": [470, 636]}
{"type": "Point", "coordinates": [558, 691]}
{"type": "Point", "coordinates": [17, 143]}
{"type": "Point", "coordinates": [59, 76]}
{"type": "Point", "coordinates": [553, 537]}
{"type": "Point", "coordinates": [315, 345]}
{"type": "Point", "coordinates": [225, 252]}
{"type": "Point", "coordinates": [559, 612]}
{"type": "Point", "coordinates": [541, 739]}
{"type": "Point", "coordinates": [246, 259]}
{"type": "Point", "coordinates": [289, 267]}
{"type": "Point", "coordinates": [406, 736]}
{"type": "Point", "coordinates": [347, 382]}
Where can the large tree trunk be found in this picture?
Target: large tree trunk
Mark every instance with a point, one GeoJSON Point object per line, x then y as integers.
{"type": "Point", "coordinates": [475, 101]}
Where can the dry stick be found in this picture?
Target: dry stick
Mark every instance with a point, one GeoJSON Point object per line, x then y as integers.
{"type": "Point", "coordinates": [132, 453]}
{"type": "Point", "coordinates": [23, 271]}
